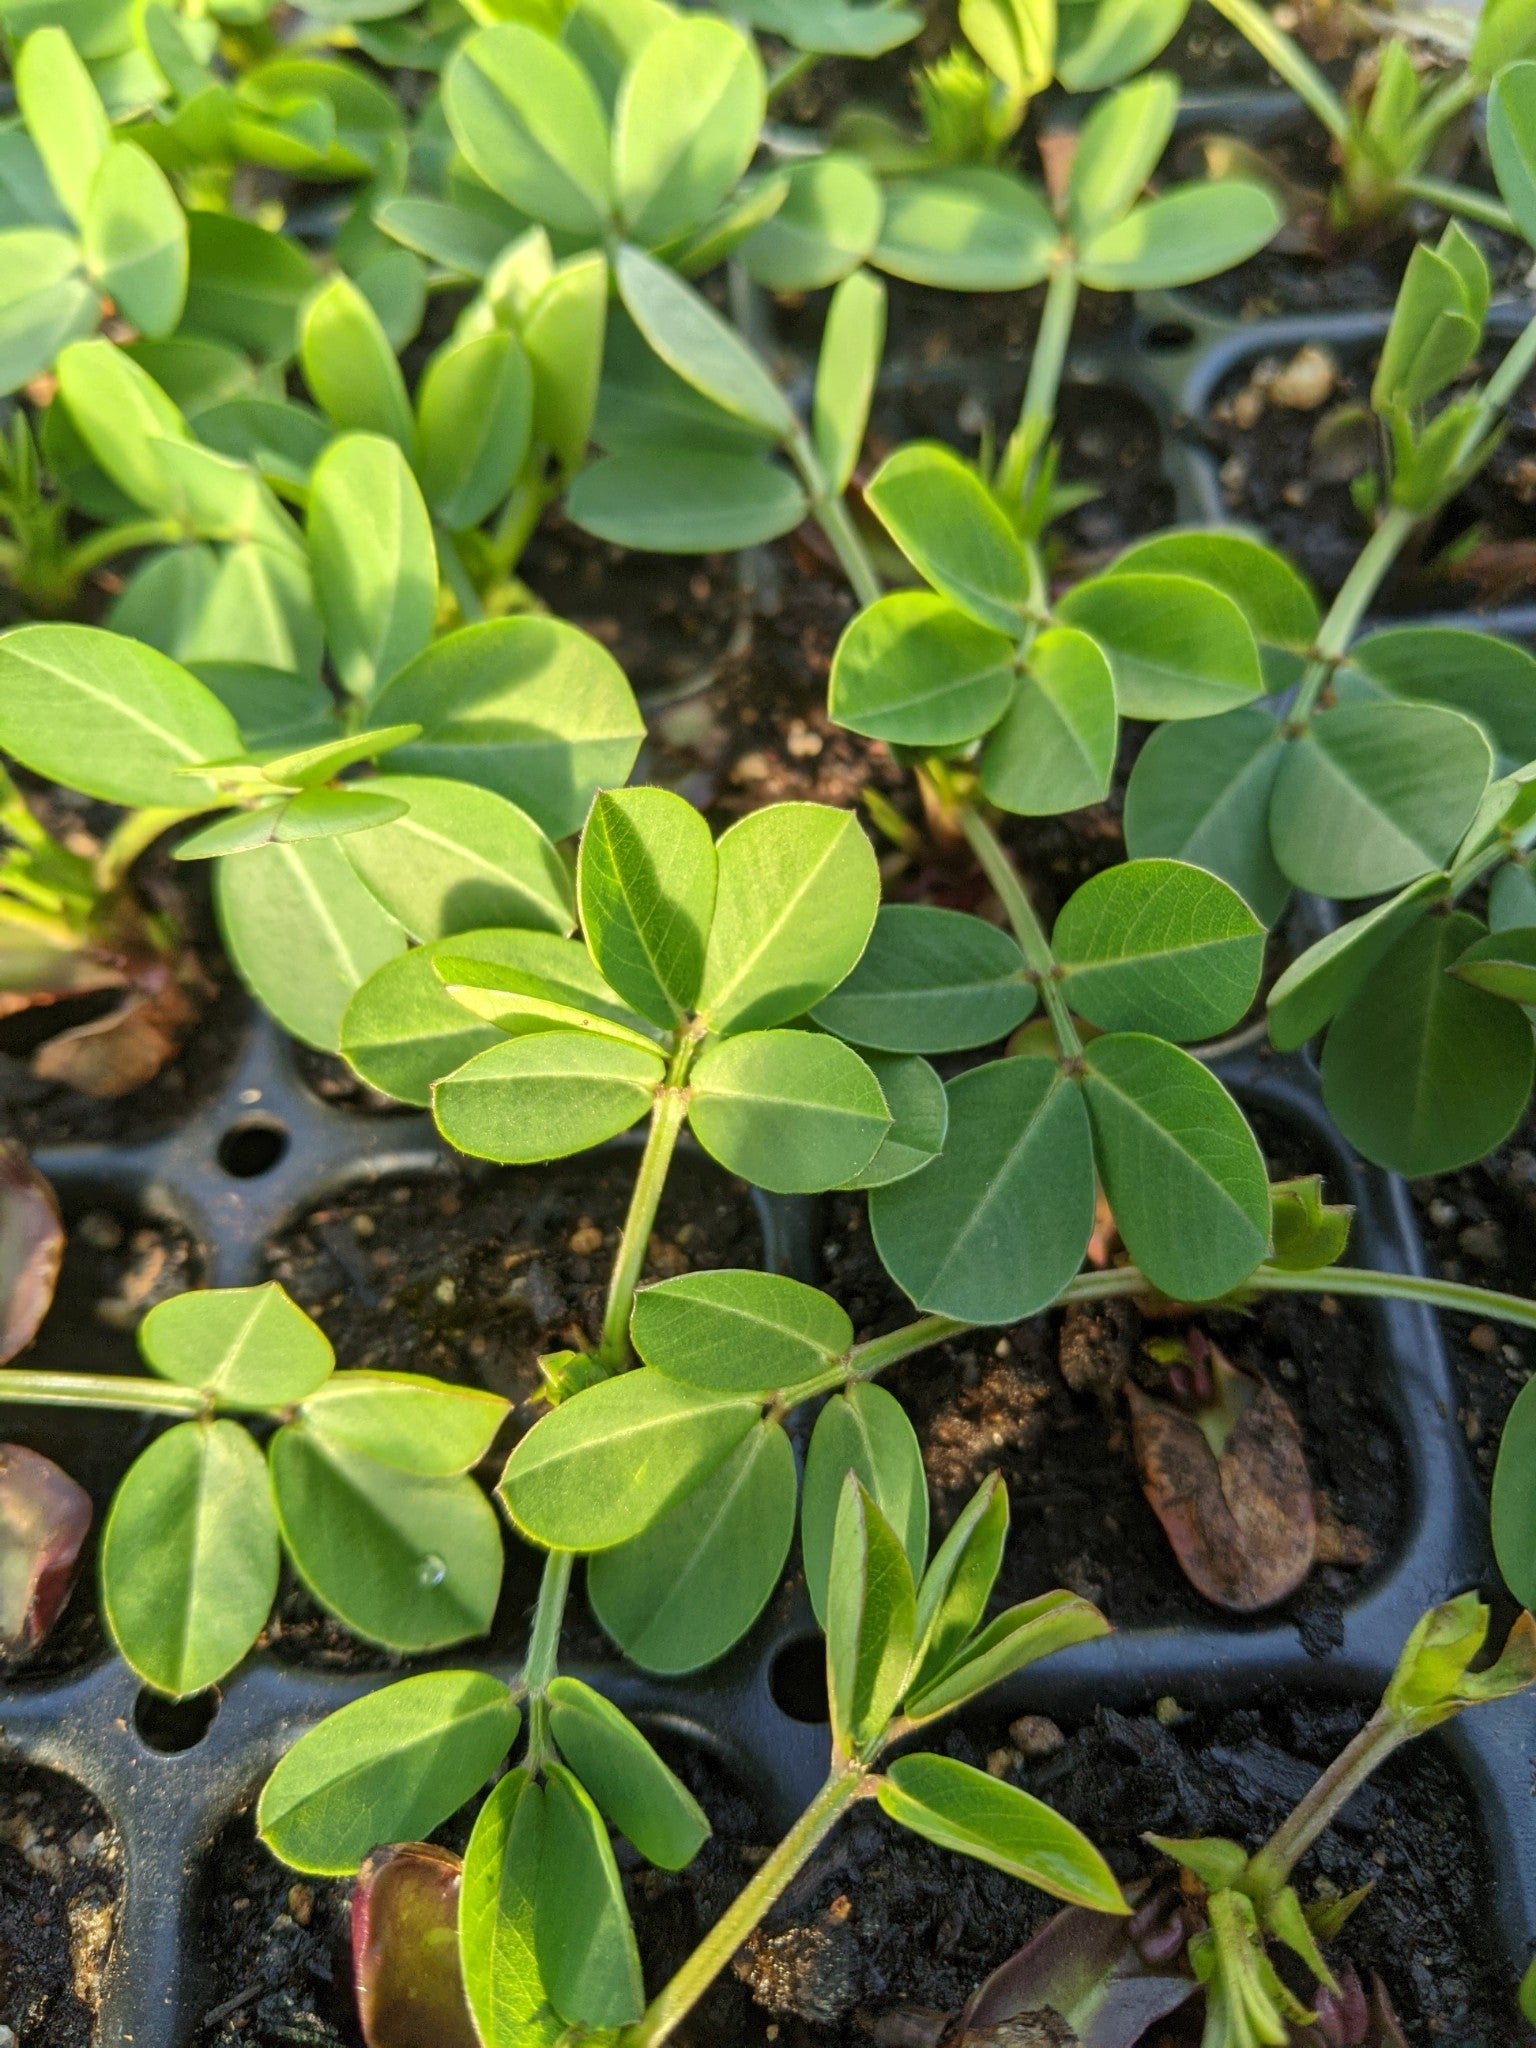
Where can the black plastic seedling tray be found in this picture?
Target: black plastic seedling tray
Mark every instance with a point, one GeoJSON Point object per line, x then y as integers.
{"type": "Point", "coordinates": [171, 1803]}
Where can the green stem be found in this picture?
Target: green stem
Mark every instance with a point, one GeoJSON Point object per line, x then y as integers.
{"type": "Point", "coordinates": [672, 2004]}
{"type": "Point", "coordinates": [791, 69]}
{"type": "Point", "coordinates": [1050, 357]}
{"type": "Point", "coordinates": [1027, 929]}
{"type": "Point", "coordinates": [99, 1390]}
{"type": "Point", "coordinates": [1290, 61]}
{"type": "Point", "coordinates": [1507, 378]}
{"type": "Point", "coordinates": [1361, 1280]}
{"type": "Point", "coordinates": [543, 1658]}
{"type": "Point", "coordinates": [136, 832]}
{"type": "Point", "coordinates": [667, 1115]}
{"type": "Point", "coordinates": [1320, 1807]}
{"type": "Point", "coordinates": [830, 510]}
{"type": "Point", "coordinates": [1453, 198]}
{"type": "Point", "coordinates": [458, 579]}
{"type": "Point", "coordinates": [118, 540]}
{"type": "Point", "coordinates": [1349, 608]}
{"type": "Point", "coordinates": [1438, 111]}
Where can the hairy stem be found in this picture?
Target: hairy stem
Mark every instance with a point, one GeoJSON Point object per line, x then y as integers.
{"type": "Point", "coordinates": [1349, 608]}
{"type": "Point", "coordinates": [134, 835]}
{"type": "Point", "coordinates": [1253, 23]}
{"type": "Point", "coordinates": [667, 1115]}
{"type": "Point", "coordinates": [672, 2004]}
{"type": "Point", "coordinates": [118, 540]}
{"type": "Point", "coordinates": [1320, 1807]}
{"type": "Point", "coordinates": [1027, 929]}
{"type": "Point", "coordinates": [830, 510]}
{"type": "Point", "coordinates": [1050, 356]}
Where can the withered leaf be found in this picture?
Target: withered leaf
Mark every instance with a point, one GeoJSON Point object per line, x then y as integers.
{"type": "Point", "coordinates": [1084, 1974]}
{"type": "Point", "coordinates": [31, 1248]}
{"type": "Point", "coordinates": [1243, 1525]}
{"type": "Point", "coordinates": [44, 1520]}
{"type": "Point", "coordinates": [114, 1054]}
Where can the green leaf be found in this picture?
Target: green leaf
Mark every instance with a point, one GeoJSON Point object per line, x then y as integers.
{"type": "Point", "coordinates": [1512, 899]}
{"type": "Point", "coordinates": [63, 114]}
{"type": "Point", "coordinates": [646, 884]}
{"type": "Point", "coordinates": [1514, 1498]}
{"type": "Point", "coordinates": [1436, 326]}
{"type": "Point", "coordinates": [1017, 1638]}
{"type": "Point", "coordinates": [951, 529]}
{"type": "Point", "coordinates": [527, 118]}
{"type": "Point", "coordinates": [409, 1562]}
{"type": "Point", "coordinates": [646, 1802]}
{"type": "Point", "coordinates": [1373, 795]}
{"type": "Point", "coordinates": [496, 1918]}
{"type": "Point", "coordinates": [827, 225]}
{"type": "Point", "coordinates": [402, 1030]}
{"type": "Point", "coordinates": [107, 716]}
{"type": "Point", "coordinates": [303, 934]}
{"type": "Point", "coordinates": [1315, 986]}
{"type": "Point", "coordinates": [1188, 233]}
{"type": "Point", "coordinates": [189, 1558]}
{"type": "Point", "coordinates": [852, 343]}
{"type": "Point", "coordinates": [1503, 963]}
{"type": "Point", "coordinates": [519, 1002]}
{"type": "Point", "coordinates": [740, 1332]}
{"type": "Point", "coordinates": [375, 567]}
{"type": "Point", "coordinates": [1015, 39]}
{"type": "Point", "coordinates": [135, 239]}
{"type": "Point", "coordinates": [1273, 598]}
{"type": "Point", "coordinates": [1054, 749]}
{"type": "Point", "coordinates": [586, 1946]}
{"type": "Point", "coordinates": [864, 1432]}
{"type": "Point", "coordinates": [46, 302]}
{"type": "Point", "coordinates": [527, 707]}
{"type": "Point", "coordinates": [976, 1815]}
{"type": "Point", "coordinates": [967, 229]}
{"type": "Point", "coordinates": [125, 420]}
{"type": "Point", "coordinates": [563, 334]}
{"type": "Point", "coordinates": [246, 1347]}
{"type": "Point", "coordinates": [790, 1111]}
{"type": "Point", "coordinates": [1200, 792]}
{"type": "Point", "coordinates": [998, 1224]}
{"type": "Point", "coordinates": [919, 1110]}
{"type": "Point", "coordinates": [1118, 149]}
{"type": "Point", "coordinates": [682, 501]}
{"type": "Point", "coordinates": [646, 408]}
{"type": "Point", "coordinates": [930, 981]}
{"type": "Point", "coordinates": [245, 285]}
{"type": "Point", "coordinates": [955, 1589]}
{"type": "Point", "coordinates": [1512, 142]}
{"type": "Point", "coordinates": [1182, 1171]}
{"type": "Point", "coordinates": [350, 367]}
{"type": "Point", "coordinates": [546, 1096]}
{"type": "Point", "coordinates": [1177, 648]}
{"type": "Point", "coordinates": [685, 126]}
{"type": "Point", "coordinates": [1488, 680]}
{"type": "Point", "coordinates": [703, 349]}
{"type": "Point", "coordinates": [459, 858]}
{"type": "Point", "coordinates": [795, 903]}
{"type": "Point", "coordinates": [1101, 41]}
{"type": "Point", "coordinates": [608, 1463]}
{"type": "Point", "coordinates": [474, 422]}
{"type": "Point", "coordinates": [870, 1620]}
{"type": "Point", "coordinates": [389, 1767]}
{"type": "Point", "coordinates": [1422, 1071]}
{"type": "Point", "coordinates": [406, 1421]}
{"type": "Point", "coordinates": [1155, 945]}
{"type": "Point", "coordinates": [914, 669]}
{"type": "Point", "coordinates": [690, 1586]}
{"type": "Point", "coordinates": [1307, 1234]}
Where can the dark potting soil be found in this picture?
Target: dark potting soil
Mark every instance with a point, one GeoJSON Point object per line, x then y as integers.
{"type": "Point", "coordinates": [1479, 1225]}
{"type": "Point", "coordinates": [275, 1948]}
{"type": "Point", "coordinates": [882, 1931]}
{"type": "Point", "coordinates": [60, 1883]}
{"type": "Point", "coordinates": [668, 620]}
{"type": "Point", "coordinates": [1274, 477]}
{"type": "Point", "coordinates": [1040, 1402]}
{"type": "Point", "coordinates": [928, 329]}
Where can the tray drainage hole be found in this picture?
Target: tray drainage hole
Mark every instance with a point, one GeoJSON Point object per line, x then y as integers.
{"type": "Point", "coordinates": [1167, 337]}
{"type": "Point", "coordinates": [170, 1726]}
{"type": "Point", "coordinates": [248, 1150]}
{"type": "Point", "coordinates": [798, 1680]}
